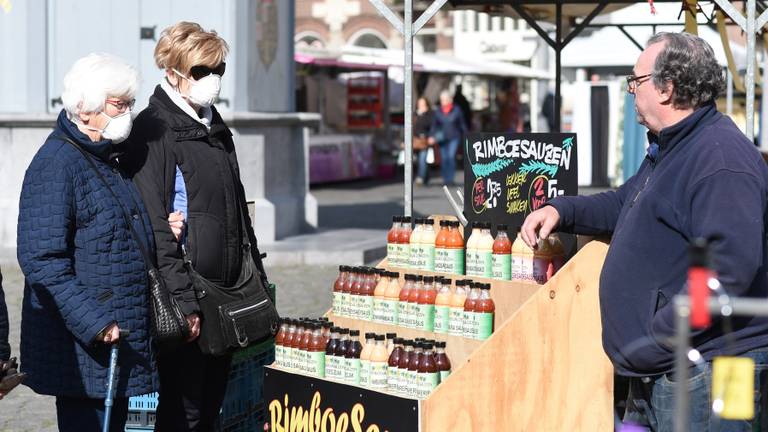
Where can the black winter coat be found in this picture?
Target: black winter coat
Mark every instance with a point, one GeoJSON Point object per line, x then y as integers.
{"type": "Point", "coordinates": [5, 348]}
{"type": "Point", "coordinates": [166, 137]}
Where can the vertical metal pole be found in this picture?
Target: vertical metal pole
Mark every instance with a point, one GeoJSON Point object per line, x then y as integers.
{"type": "Point", "coordinates": [750, 84]}
{"type": "Point", "coordinates": [728, 92]}
{"type": "Point", "coordinates": [764, 104]}
{"type": "Point", "coordinates": [558, 49]}
{"type": "Point", "coordinates": [408, 107]}
{"type": "Point", "coordinates": [682, 311]}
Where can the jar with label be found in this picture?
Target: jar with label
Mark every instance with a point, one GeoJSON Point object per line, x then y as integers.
{"type": "Point", "coordinates": [441, 253]}
{"type": "Point", "coordinates": [469, 317]}
{"type": "Point", "coordinates": [379, 364]}
{"type": "Point", "coordinates": [485, 309]}
{"type": "Point", "coordinates": [365, 360]}
{"type": "Point", "coordinates": [456, 311]}
{"type": "Point", "coordinates": [392, 258]}
{"type": "Point", "coordinates": [455, 248]}
{"type": "Point", "coordinates": [389, 309]}
{"type": "Point", "coordinates": [425, 318]}
{"type": "Point", "coordinates": [501, 261]}
{"type": "Point", "coordinates": [442, 305]}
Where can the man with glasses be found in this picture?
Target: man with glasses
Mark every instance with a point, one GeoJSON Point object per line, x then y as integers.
{"type": "Point", "coordinates": [702, 178]}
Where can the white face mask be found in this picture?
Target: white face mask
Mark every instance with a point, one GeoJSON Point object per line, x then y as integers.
{"type": "Point", "coordinates": [204, 91]}
{"type": "Point", "coordinates": [117, 128]}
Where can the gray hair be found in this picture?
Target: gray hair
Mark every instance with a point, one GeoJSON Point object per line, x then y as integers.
{"type": "Point", "coordinates": [445, 94]}
{"type": "Point", "coordinates": [688, 62]}
{"type": "Point", "coordinates": [94, 78]}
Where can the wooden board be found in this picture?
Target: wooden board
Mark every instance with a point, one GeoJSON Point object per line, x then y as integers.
{"type": "Point", "coordinates": [544, 369]}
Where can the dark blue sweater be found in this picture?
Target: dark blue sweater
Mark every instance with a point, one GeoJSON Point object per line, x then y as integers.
{"type": "Point", "coordinates": [707, 181]}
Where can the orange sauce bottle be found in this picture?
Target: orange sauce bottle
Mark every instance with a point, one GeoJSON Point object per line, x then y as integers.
{"type": "Point", "coordinates": [484, 312]}
{"type": "Point", "coordinates": [469, 320]}
{"type": "Point", "coordinates": [455, 248]}
{"type": "Point", "coordinates": [426, 305]}
{"type": "Point", "coordinates": [501, 261]}
{"type": "Point", "coordinates": [404, 243]}
{"type": "Point", "coordinates": [441, 252]}
{"type": "Point", "coordinates": [413, 302]}
{"type": "Point", "coordinates": [392, 258]}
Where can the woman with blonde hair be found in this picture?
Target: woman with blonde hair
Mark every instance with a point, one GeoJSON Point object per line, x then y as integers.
{"type": "Point", "coordinates": [187, 166]}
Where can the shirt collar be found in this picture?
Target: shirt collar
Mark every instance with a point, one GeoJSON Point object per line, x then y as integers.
{"type": "Point", "coordinates": [207, 112]}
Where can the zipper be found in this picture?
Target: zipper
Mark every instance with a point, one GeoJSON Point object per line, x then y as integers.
{"type": "Point", "coordinates": [247, 308]}
{"type": "Point", "coordinates": [641, 190]}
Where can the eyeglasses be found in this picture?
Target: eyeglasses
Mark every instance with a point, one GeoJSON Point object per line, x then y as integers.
{"type": "Point", "coordinates": [200, 71]}
{"type": "Point", "coordinates": [633, 82]}
{"type": "Point", "coordinates": [121, 105]}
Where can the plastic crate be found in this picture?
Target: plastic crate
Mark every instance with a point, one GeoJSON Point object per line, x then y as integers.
{"type": "Point", "coordinates": [243, 407]}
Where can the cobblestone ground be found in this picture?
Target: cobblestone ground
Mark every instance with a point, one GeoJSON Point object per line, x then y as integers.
{"type": "Point", "coordinates": [302, 291]}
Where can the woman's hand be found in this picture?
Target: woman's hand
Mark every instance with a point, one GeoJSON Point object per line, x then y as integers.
{"type": "Point", "coordinates": [176, 221]}
{"type": "Point", "coordinates": [194, 326]}
{"type": "Point", "coordinates": [111, 334]}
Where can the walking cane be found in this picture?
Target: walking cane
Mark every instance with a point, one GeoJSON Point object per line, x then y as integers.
{"type": "Point", "coordinates": [111, 384]}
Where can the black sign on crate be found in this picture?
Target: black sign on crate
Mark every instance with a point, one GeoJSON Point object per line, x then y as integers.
{"type": "Point", "coordinates": [297, 402]}
{"type": "Point", "coordinates": [509, 175]}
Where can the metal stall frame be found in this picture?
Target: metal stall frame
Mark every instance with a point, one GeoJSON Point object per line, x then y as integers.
{"type": "Point", "coordinates": [750, 24]}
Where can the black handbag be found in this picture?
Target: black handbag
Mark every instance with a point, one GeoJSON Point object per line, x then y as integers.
{"type": "Point", "coordinates": [237, 316]}
{"type": "Point", "coordinates": [168, 325]}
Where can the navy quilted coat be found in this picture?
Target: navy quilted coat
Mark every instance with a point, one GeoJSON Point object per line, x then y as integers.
{"type": "Point", "coordinates": [83, 271]}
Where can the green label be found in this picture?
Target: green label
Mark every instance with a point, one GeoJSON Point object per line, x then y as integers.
{"type": "Point", "coordinates": [444, 375]}
{"type": "Point", "coordinates": [456, 321]}
{"type": "Point", "coordinates": [402, 314]}
{"type": "Point", "coordinates": [392, 257]}
{"type": "Point", "coordinates": [517, 267]}
{"type": "Point", "coordinates": [301, 360]}
{"type": "Point", "coordinates": [365, 373]}
{"type": "Point", "coordinates": [379, 375]}
{"type": "Point", "coordinates": [415, 256]}
{"type": "Point", "coordinates": [426, 383]}
{"type": "Point", "coordinates": [393, 379]}
{"type": "Point", "coordinates": [336, 303]}
{"type": "Point", "coordinates": [279, 355]}
{"type": "Point", "coordinates": [366, 308]}
{"type": "Point", "coordinates": [330, 362]}
{"type": "Point", "coordinates": [455, 261]}
{"type": "Point", "coordinates": [402, 381]}
{"type": "Point", "coordinates": [416, 318]}
{"type": "Point", "coordinates": [502, 266]}
{"type": "Point", "coordinates": [403, 255]}
{"type": "Point", "coordinates": [471, 262]}
{"type": "Point", "coordinates": [441, 258]}
{"type": "Point", "coordinates": [429, 257]}
{"type": "Point", "coordinates": [442, 319]}
{"type": "Point", "coordinates": [352, 371]}
{"type": "Point", "coordinates": [344, 305]}
{"type": "Point", "coordinates": [389, 311]}
{"type": "Point", "coordinates": [426, 317]}
{"type": "Point", "coordinates": [317, 364]}
{"type": "Point", "coordinates": [484, 325]}
{"type": "Point", "coordinates": [377, 310]}
{"type": "Point", "coordinates": [485, 264]}
{"type": "Point", "coordinates": [413, 385]}
{"type": "Point", "coordinates": [469, 325]}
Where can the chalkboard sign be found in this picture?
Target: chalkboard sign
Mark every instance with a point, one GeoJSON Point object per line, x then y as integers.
{"type": "Point", "coordinates": [507, 176]}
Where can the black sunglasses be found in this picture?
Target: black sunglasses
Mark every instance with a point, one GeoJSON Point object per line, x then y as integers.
{"type": "Point", "coordinates": [199, 72]}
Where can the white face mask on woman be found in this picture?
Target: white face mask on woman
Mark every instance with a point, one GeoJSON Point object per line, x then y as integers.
{"type": "Point", "coordinates": [117, 128]}
{"type": "Point", "coordinates": [204, 91]}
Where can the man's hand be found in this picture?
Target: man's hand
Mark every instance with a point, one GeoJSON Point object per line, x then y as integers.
{"type": "Point", "coordinates": [176, 221]}
{"type": "Point", "coordinates": [539, 225]}
{"type": "Point", "coordinates": [111, 334]}
{"type": "Point", "coordinates": [194, 326]}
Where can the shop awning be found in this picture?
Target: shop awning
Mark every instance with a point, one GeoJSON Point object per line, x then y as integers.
{"type": "Point", "coordinates": [356, 58]}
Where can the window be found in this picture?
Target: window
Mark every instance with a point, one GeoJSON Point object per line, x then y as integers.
{"type": "Point", "coordinates": [369, 40]}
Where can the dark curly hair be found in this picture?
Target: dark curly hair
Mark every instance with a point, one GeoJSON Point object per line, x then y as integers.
{"type": "Point", "coordinates": [689, 63]}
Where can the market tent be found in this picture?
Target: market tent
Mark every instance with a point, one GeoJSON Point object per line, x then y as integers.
{"type": "Point", "coordinates": [379, 59]}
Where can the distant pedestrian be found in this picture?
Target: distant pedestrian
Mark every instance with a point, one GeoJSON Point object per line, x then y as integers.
{"type": "Point", "coordinates": [448, 128]}
{"type": "Point", "coordinates": [421, 145]}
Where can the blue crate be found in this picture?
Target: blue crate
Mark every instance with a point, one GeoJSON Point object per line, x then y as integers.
{"type": "Point", "coordinates": [243, 407]}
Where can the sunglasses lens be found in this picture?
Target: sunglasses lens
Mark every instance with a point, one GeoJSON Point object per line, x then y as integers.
{"type": "Point", "coordinates": [199, 72]}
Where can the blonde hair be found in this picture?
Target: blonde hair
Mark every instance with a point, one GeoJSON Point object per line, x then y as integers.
{"type": "Point", "coordinates": [94, 78]}
{"type": "Point", "coordinates": [185, 44]}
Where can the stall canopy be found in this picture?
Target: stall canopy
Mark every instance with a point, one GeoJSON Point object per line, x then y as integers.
{"type": "Point", "coordinates": [356, 58]}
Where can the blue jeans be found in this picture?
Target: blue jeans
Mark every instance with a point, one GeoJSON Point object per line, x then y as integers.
{"type": "Point", "coordinates": [84, 415]}
{"type": "Point", "coordinates": [423, 170]}
{"type": "Point", "coordinates": [448, 160]}
{"type": "Point", "coordinates": [651, 400]}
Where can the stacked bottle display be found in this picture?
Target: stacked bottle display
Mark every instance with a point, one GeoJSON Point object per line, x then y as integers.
{"type": "Point", "coordinates": [444, 251]}
{"type": "Point", "coordinates": [410, 368]}
{"type": "Point", "coordinates": [427, 303]}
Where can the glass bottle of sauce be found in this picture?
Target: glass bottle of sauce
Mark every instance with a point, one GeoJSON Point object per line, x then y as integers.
{"type": "Point", "coordinates": [455, 247]}
{"type": "Point", "coordinates": [501, 262]}
{"type": "Point", "coordinates": [389, 307]}
{"type": "Point", "coordinates": [456, 312]}
{"type": "Point", "coordinates": [484, 312]}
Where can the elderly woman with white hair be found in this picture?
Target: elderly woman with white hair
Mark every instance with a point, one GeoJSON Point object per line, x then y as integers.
{"type": "Point", "coordinates": [85, 274]}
